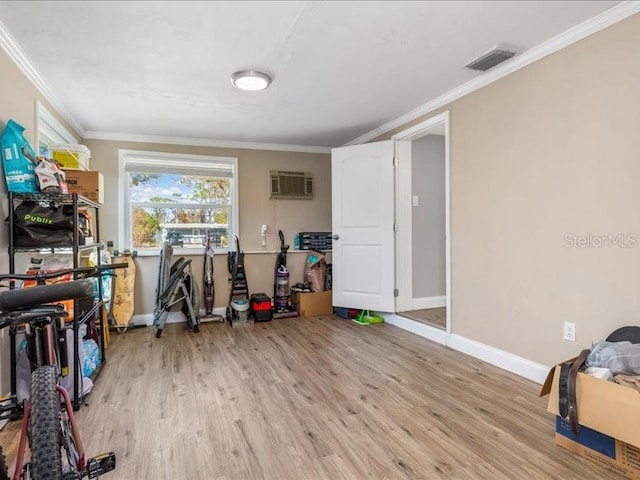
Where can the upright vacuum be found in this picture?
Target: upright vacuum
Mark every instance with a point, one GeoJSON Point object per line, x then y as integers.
{"type": "Point", "coordinates": [208, 285]}
{"type": "Point", "coordinates": [238, 306]}
{"type": "Point", "coordinates": [281, 296]}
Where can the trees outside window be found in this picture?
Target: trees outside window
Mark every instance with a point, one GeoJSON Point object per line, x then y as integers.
{"type": "Point", "coordinates": [179, 201]}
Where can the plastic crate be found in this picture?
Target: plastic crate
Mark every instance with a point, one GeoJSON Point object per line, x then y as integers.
{"type": "Point", "coordinates": [72, 157]}
{"type": "Point", "coordinates": [346, 313]}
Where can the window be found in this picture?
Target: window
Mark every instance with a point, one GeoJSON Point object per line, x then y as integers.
{"type": "Point", "coordinates": [179, 199]}
{"type": "Point", "coordinates": [50, 131]}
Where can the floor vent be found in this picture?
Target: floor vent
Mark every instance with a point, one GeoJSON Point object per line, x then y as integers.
{"type": "Point", "coordinates": [493, 57]}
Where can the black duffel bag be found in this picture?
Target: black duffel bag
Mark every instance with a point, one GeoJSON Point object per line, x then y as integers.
{"type": "Point", "coordinates": [43, 225]}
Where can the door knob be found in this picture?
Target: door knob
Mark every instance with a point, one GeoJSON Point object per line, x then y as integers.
{"type": "Point", "coordinates": [335, 237]}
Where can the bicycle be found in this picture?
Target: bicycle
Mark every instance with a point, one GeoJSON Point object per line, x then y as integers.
{"type": "Point", "coordinates": [48, 419]}
{"type": "Point", "coordinates": [4, 475]}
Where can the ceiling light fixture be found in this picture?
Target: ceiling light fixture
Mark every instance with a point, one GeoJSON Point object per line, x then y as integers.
{"type": "Point", "coordinates": [251, 80]}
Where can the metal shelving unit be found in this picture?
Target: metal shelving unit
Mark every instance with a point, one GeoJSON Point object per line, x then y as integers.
{"type": "Point", "coordinates": [75, 248]}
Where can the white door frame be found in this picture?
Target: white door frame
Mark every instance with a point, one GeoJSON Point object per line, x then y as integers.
{"type": "Point", "coordinates": [404, 280]}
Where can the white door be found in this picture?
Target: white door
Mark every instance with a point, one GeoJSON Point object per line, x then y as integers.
{"type": "Point", "coordinates": [362, 221]}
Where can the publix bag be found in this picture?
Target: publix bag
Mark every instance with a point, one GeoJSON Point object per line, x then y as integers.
{"type": "Point", "coordinates": [43, 224]}
{"type": "Point", "coordinates": [18, 160]}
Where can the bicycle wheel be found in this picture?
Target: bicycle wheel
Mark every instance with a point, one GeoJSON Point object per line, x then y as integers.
{"type": "Point", "coordinates": [44, 425]}
{"type": "Point", "coordinates": [4, 472]}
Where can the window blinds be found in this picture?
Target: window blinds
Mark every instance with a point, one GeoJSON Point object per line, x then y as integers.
{"type": "Point", "coordinates": [208, 166]}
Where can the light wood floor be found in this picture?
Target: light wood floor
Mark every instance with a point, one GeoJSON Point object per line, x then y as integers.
{"type": "Point", "coordinates": [314, 398]}
{"type": "Point", "coordinates": [436, 317]}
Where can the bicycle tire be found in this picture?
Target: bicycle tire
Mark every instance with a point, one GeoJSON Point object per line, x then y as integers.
{"type": "Point", "coordinates": [27, 297]}
{"type": "Point", "coordinates": [4, 471]}
{"type": "Point", "coordinates": [44, 425]}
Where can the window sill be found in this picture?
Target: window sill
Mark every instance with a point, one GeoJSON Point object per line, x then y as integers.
{"type": "Point", "coordinates": [179, 252]}
{"type": "Point", "coordinates": [197, 252]}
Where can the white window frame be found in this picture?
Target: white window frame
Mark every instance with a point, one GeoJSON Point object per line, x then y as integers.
{"type": "Point", "coordinates": [170, 159]}
{"type": "Point", "coordinates": [47, 125]}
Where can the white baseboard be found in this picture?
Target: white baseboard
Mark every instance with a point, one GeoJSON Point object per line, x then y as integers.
{"type": "Point", "coordinates": [221, 311]}
{"type": "Point", "coordinates": [429, 302]}
{"type": "Point", "coordinates": [173, 317]}
{"type": "Point", "coordinates": [432, 333]}
{"type": "Point", "coordinates": [142, 319]}
{"type": "Point", "coordinates": [533, 371]}
{"type": "Point", "coordinates": [507, 361]}
{"type": "Point", "coordinates": [3, 423]}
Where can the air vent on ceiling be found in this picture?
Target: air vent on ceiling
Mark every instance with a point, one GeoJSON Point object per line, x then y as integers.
{"type": "Point", "coordinates": [285, 184]}
{"type": "Point", "coordinates": [493, 57]}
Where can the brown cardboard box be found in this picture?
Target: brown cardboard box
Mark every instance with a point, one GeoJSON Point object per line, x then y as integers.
{"type": "Point", "coordinates": [312, 303]}
{"type": "Point", "coordinates": [88, 183]}
{"type": "Point", "coordinates": [599, 448]}
{"type": "Point", "coordinates": [609, 415]}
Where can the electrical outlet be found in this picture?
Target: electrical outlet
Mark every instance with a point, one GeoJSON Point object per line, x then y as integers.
{"type": "Point", "coordinates": [570, 331]}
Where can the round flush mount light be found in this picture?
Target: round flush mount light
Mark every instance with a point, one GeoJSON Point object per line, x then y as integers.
{"type": "Point", "coordinates": [251, 80]}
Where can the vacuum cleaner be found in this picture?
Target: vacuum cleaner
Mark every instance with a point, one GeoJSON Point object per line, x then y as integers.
{"type": "Point", "coordinates": [238, 306]}
{"type": "Point", "coordinates": [281, 296]}
{"type": "Point", "coordinates": [208, 285]}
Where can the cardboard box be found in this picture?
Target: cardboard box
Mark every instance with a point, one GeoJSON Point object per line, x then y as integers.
{"type": "Point", "coordinates": [599, 448]}
{"type": "Point", "coordinates": [609, 415]}
{"type": "Point", "coordinates": [312, 303]}
{"type": "Point", "coordinates": [88, 183]}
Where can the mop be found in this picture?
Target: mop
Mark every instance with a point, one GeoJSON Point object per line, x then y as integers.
{"type": "Point", "coordinates": [366, 318]}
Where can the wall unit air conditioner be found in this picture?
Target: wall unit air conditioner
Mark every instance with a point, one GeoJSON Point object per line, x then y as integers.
{"type": "Point", "coordinates": [285, 184]}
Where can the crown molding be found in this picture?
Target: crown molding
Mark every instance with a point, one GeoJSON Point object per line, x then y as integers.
{"type": "Point", "coordinates": [15, 53]}
{"type": "Point", "coordinates": [201, 142]}
{"type": "Point", "coordinates": [574, 34]}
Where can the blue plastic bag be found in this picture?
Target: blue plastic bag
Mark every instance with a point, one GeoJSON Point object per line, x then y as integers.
{"type": "Point", "coordinates": [18, 160]}
{"type": "Point", "coordinates": [91, 357]}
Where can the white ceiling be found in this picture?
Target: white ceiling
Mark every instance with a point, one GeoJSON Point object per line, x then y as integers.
{"type": "Point", "coordinates": [340, 69]}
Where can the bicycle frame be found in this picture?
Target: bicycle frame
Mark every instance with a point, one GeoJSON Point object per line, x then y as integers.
{"type": "Point", "coordinates": [51, 354]}
{"type": "Point", "coordinates": [46, 334]}
{"type": "Point", "coordinates": [44, 343]}
{"type": "Point", "coordinates": [10, 409]}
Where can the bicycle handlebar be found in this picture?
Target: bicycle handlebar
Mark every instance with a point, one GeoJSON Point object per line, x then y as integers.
{"type": "Point", "coordinates": [42, 294]}
{"type": "Point", "coordinates": [85, 271]}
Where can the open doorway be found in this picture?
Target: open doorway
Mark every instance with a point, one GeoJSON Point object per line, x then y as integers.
{"type": "Point", "coordinates": [422, 210]}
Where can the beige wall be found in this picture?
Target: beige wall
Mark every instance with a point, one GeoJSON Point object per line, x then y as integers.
{"type": "Point", "coordinates": [551, 150]}
{"type": "Point", "coordinates": [255, 209]}
{"type": "Point", "coordinates": [18, 102]}
{"type": "Point", "coordinates": [18, 98]}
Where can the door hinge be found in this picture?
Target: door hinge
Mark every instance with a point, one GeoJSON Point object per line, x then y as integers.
{"type": "Point", "coordinates": [395, 292]}
{"type": "Point", "coordinates": [395, 227]}
{"type": "Point", "coordinates": [395, 161]}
